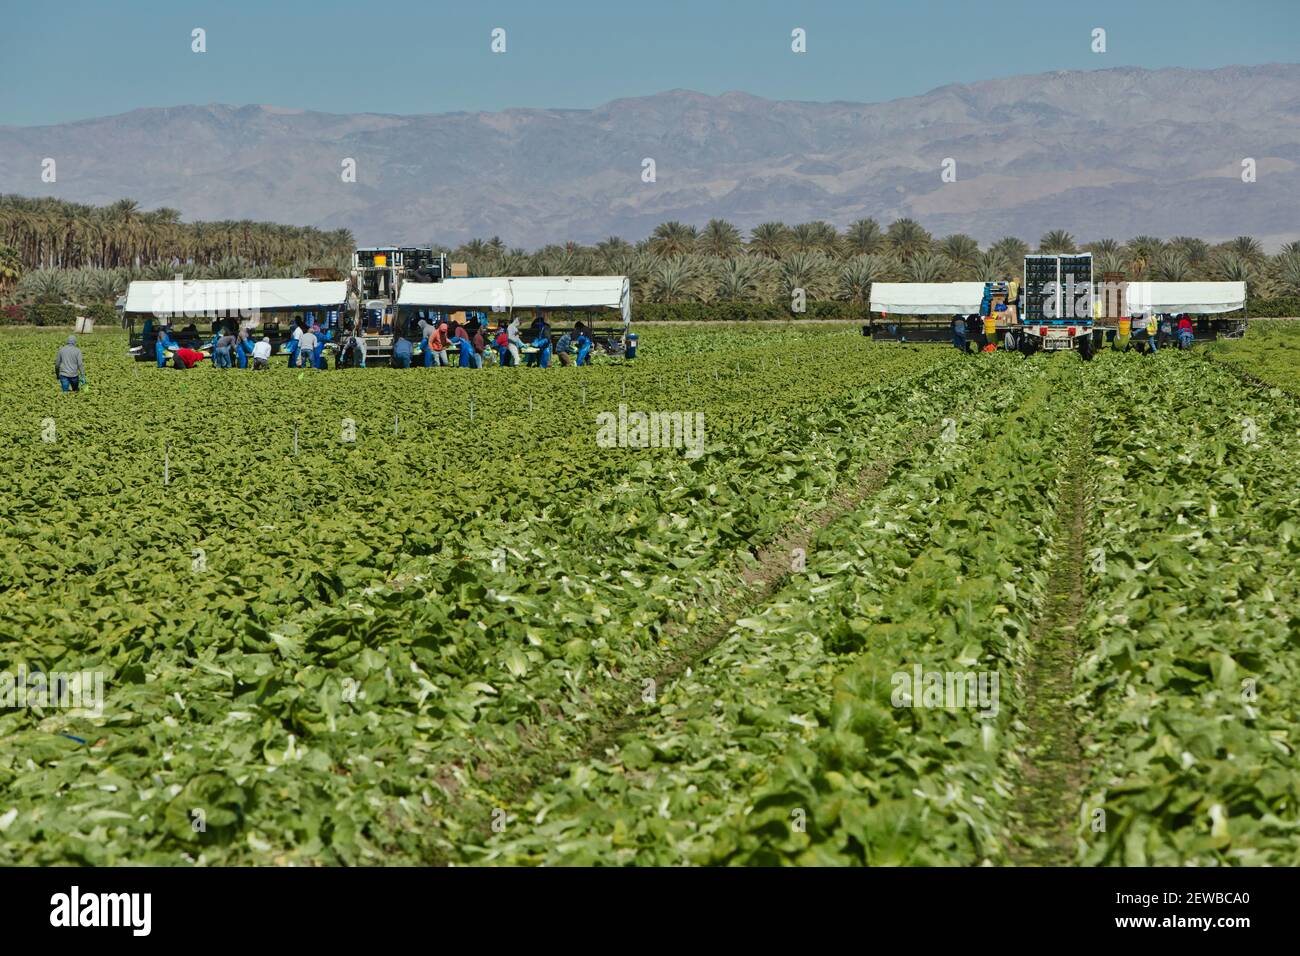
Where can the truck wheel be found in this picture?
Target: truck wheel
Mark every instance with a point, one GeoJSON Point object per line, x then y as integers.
{"type": "Point", "coordinates": [1086, 349]}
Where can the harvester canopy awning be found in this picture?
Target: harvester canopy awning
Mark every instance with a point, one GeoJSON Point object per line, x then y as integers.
{"type": "Point", "coordinates": [926, 298]}
{"type": "Point", "coordinates": [501, 293]}
{"type": "Point", "coordinates": [1192, 297]}
{"type": "Point", "coordinates": [244, 297]}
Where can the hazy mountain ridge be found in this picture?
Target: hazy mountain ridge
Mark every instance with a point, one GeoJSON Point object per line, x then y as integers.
{"type": "Point", "coordinates": [1114, 152]}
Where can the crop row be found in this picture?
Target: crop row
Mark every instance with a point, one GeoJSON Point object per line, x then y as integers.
{"type": "Point", "coordinates": [1188, 683]}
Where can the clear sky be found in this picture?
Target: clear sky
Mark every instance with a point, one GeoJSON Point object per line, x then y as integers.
{"type": "Point", "coordinates": [63, 60]}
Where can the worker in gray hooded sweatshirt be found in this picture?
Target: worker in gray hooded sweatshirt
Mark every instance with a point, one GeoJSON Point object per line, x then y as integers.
{"type": "Point", "coordinates": [70, 367]}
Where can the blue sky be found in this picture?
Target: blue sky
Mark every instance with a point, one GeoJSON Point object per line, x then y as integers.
{"type": "Point", "coordinates": [74, 59]}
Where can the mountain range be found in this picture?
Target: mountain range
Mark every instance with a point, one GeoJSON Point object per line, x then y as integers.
{"type": "Point", "coordinates": [1117, 152]}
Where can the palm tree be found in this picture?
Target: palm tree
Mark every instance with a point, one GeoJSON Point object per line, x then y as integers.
{"type": "Point", "coordinates": [810, 271]}
{"type": "Point", "coordinates": [676, 279]}
{"type": "Point", "coordinates": [1248, 248]}
{"type": "Point", "coordinates": [1170, 265]}
{"type": "Point", "coordinates": [1231, 266]}
{"type": "Point", "coordinates": [1286, 271]}
{"type": "Point", "coordinates": [864, 237]}
{"type": "Point", "coordinates": [11, 268]}
{"type": "Point", "coordinates": [991, 267]}
{"type": "Point", "coordinates": [769, 240]}
{"type": "Point", "coordinates": [960, 249]}
{"type": "Point", "coordinates": [1100, 246]}
{"type": "Point", "coordinates": [720, 239]}
{"type": "Point", "coordinates": [671, 239]}
{"type": "Point", "coordinates": [927, 267]}
{"type": "Point", "coordinates": [43, 285]}
{"type": "Point", "coordinates": [1195, 251]}
{"type": "Point", "coordinates": [1011, 249]}
{"type": "Point", "coordinates": [1141, 252]}
{"type": "Point", "coordinates": [1109, 260]}
{"type": "Point", "coordinates": [741, 279]}
{"type": "Point", "coordinates": [858, 274]}
{"type": "Point", "coordinates": [814, 237]}
{"type": "Point", "coordinates": [906, 238]}
{"type": "Point", "coordinates": [1056, 242]}
{"type": "Point", "coordinates": [612, 247]}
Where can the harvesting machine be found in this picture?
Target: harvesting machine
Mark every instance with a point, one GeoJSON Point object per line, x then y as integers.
{"type": "Point", "coordinates": [1057, 304]}
{"type": "Point", "coordinates": [389, 291]}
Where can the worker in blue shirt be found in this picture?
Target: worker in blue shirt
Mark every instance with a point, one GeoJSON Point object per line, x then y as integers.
{"type": "Point", "coordinates": [402, 350]}
{"type": "Point", "coordinates": [564, 348]}
{"type": "Point", "coordinates": [959, 332]}
{"type": "Point", "coordinates": [543, 345]}
{"type": "Point", "coordinates": [583, 341]}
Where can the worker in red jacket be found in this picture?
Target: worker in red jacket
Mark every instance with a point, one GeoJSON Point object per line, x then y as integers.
{"type": "Point", "coordinates": [188, 358]}
{"type": "Point", "coordinates": [1185, 332]}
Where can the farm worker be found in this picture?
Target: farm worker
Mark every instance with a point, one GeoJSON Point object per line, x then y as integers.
{"type": "Point", "coordinates": [319, 350]}
{"type": "Point", "coordinates": [502, 344]}
{"type": "Point", "coordinates": [160, 350]}
{"type": "Point", "coordinates": [466, 346]}
{"type": "Point", "coordinates": [436, 349]}
{"type": "Point", "coordinates": [564, 348]}
{"type": "Point", "coordinates": [479, 345]}
{"type": "Point", "coordinates": [69, 366]}
{"type": "Point", "coordinates": [1185, 332]}
{"type": "Point", "coordinates": [959, 332]}
{"type": "Point", "coordinates": [292, 345]}
{"type": "Point", "coordinates": [306, 348]}
{"type": "Point", "coordinates": [359, 355]}
{"type": "Point", "coordinates": [543, 345]}
{"type": "Point", "coordinates": [1153, 332]}
{"type": "Point", "coordinates": [244, 347]}
{"type": "Point", "coordinates": [262, 354]}
{"type": "Point", "coordinates": [402, 353]}
{"type": "Point", "coordinates": [1166, 330]}
{"type": "Point", "coordinates": [583, 341]}
{"type": "Point", "coordinates": [188, 358]}
{"type": "Point", "coordinates": [513, 342]}
{"type": "Point", "coordinates": [538, 331]}
{"type": "Point", "coordinates": [425, 351]}
{"type": "Point", "coordinates": [222, 355]}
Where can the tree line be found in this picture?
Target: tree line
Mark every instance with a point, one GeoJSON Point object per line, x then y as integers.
{"type": "Point", "coordinates": [51, 251]}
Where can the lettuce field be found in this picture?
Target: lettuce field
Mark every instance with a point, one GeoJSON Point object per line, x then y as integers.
{"type": "Point", "coordinates": [906, 606]}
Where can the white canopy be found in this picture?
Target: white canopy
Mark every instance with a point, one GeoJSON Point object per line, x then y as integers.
{"type": "Point", "coordinates": [926, 298]}
{"type": "Point", "coordinates": [246, 297]}
{"type": "Point", "coordinates": [501, 293]}
{"type": "Point", "coordinates": [1194, 297]}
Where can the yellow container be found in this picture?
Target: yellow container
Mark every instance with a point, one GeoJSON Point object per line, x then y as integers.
{"type": "Point", "coordinates": [1125, 328]}
{"type": "Point", "coordinates": [990, 326]}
